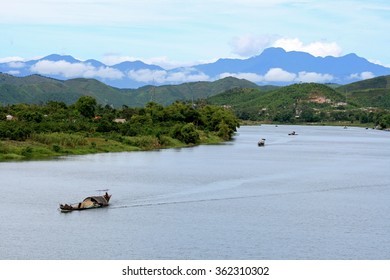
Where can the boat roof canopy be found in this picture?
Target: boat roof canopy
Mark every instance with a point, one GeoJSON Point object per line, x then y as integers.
{"type": "Point", "coordinates": [98, 199]}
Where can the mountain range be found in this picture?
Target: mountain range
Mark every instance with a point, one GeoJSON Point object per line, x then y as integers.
{"type": "Point", "coordinates": [274, 66]}
{"type": "Point", "coordinates": [37, 89]}
{"type": "Point", "coordinates": [239, 93]}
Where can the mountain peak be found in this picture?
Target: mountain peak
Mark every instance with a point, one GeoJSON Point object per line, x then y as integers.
{"type": "Point", "coordinates": [353, 55]}
{"type": "Point", "coordinates": [58, 57]}
{"type": "Point", "coordinates": [273, 51]}
{"type": "Point", "coordinates": [135, 65]}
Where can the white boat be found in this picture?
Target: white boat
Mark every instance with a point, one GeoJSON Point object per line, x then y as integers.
{"type": "Point", "coordinates": [261, 142]}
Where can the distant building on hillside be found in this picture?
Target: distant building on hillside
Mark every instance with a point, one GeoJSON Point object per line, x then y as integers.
{"type": "Point", "coordinates": [10, 118]}
{"type": "Point", "coordinates": [119, 120]}
{"type": "Point", "coordinates": [341, 104]}
{"type": "Point", "coordinates": [319, 99]}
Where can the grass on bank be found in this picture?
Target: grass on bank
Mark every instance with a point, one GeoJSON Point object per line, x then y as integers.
{"type": "Point", "coordinates": [50, 145]}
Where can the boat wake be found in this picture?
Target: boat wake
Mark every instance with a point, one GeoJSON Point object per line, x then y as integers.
{"type": "Point", "coordinates": [163, 203]}
{"type": "Point", "coordinates": [177, 202]}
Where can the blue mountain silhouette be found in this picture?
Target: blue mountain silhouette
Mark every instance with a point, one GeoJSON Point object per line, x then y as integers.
{"type": "Point", "coordinates": [342, 70]}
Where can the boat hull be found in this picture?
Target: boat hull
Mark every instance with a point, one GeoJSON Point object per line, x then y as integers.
{"type": "Point", "coordinates": [90, 202]}
{"type": "Point", "coordinates": [65, 209]}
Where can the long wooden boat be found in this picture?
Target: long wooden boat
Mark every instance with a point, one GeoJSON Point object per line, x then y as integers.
{"type": "Point", "coordinates": [90, 202]}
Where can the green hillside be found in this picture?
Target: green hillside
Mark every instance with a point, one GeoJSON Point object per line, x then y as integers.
{"type": "Point", "coordinates": [36, 89]}
{"type": "Point", "coordinates": [374, 83]}
{"type": "Point", "coordinates": [373, 92]}
{"type": "Point", "coordinates": [168, 94]}
{"type": "Point", "coordinates": [366, 101]}
{"type": "Point", "coordinates": [283, 104]}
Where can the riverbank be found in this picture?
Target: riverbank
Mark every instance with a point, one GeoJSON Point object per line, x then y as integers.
{"type": "Point", "coordinates": [338, 123]}
{"type": "Point", "coordinates": [55, 145]}
{"type": "Point", "coordinates": [55, 129]}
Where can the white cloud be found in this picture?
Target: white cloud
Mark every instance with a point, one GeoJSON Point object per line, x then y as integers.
{"type": "Point", "coordinates": [273, 75]}
{"type": "Point", "coordinates": [280, 75]}
{"type": "Point", "coordinates": [163, 76]}
{"type": "Point", "coordinates": [72, 70]}
{"type": "Point", "coordinates": [379, 62]}
{"type": "Point", "coordinates": [367, 75]}
{"type": "Point", "coordinates": [16, 64]}
{"type": "Point", "coordinates": [313, 77]}
{"type": "Point", "coordinates": [147, 75]}
{"type": "Point", "coordinates": [186, 75]}
{"type": "Point", "coordinates": [253, 77]}
{"type": "Point", "coordinates": [162, 61]}
{"type": "Point", "coordinates": [362, 76]}
{"type": "Point", "coordinates": [11, 59]}
{"type": "Point", "coordinates": [315, 48]}
{"type": "Point", "coordinates": [13, 72]}
{"type": "Point", "coordinates": [249, 45]}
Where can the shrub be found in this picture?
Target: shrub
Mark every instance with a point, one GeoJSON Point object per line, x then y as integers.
{"type": "Point", "coordinates": [186, 133]}
{"type": "Point", "coordinates": [27, 152]}
{"type": "Point", "coordinates": [145, 142]}
{"type": "Point", "coordinates": [56, 148]}
{"type": "Point", "coordinates": [62, 139]}
{"type": "Point", "coordinates": [224, 131]}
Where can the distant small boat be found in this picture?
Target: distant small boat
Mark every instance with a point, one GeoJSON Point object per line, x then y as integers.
{"type": "Point", "coordinates": [293, 133]}
{"type": "Point", "coordinates": [90, 202]}
{"type": "Point", "coordinates": [261, 142]}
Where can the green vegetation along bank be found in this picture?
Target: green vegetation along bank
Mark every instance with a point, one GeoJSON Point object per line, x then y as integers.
{"type": "Point", "coordinates": [56, 129]}
{"type": "Point", "coordinates": [309, 103]}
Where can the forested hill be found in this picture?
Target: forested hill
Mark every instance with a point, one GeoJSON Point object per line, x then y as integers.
{"type": "Point", "coordinates": [378, 82]}
{"type": "Point", "coordinates": [373, 92]}
{"type": "Point", "coordinates": [36, 89]}
{"type": "Point", "coordinates": [168, 94]}
{"type": "Point", "coordinates": [304, 101]}
{"type": "Point", "coordinates": [364, 102]}
{"type": "Point", "coordinates": [281, 104]}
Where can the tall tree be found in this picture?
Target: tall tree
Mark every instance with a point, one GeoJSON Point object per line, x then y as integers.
{"type": "Point", "coordinates": [86, 105]}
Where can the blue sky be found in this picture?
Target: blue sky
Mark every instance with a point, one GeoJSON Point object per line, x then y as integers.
{"type": "Point", "coordinates": [173, 33]}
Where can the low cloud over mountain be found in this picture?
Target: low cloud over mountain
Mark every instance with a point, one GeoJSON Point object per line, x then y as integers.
{"type": "Point", "coordinates": [273, 66]}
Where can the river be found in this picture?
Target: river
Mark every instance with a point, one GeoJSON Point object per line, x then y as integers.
{"type": "Point", "coordinates": [321, 194]}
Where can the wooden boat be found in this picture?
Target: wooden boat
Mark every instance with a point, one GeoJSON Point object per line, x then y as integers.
{"type": "Point", "coordinates": [90, 202]}
{"type": "Point", "coordinates": [261, 142]}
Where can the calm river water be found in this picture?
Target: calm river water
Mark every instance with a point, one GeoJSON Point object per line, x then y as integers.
{"type": "Point", "coordinates": [322, 194]}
